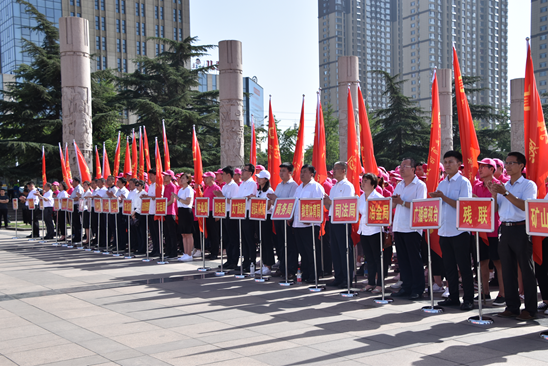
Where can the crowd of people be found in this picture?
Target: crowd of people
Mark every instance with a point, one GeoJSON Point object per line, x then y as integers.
{"type": "Point", "coordinates": [506, 255]}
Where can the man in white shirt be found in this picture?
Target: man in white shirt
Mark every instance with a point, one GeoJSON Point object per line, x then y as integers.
{"type": "Point", "coordinates": [153, 224]}
{"type": "Point", "coordinates": [231, 237]}
{"type": "Point", "coordinates": [111, 193]}
{"type": "Point", "coordinates": [32, 196]}
{"type": "Point", "coordinates": [408, 241]}
{"type": "Point", "coordinates": [100, 192]}
{"type": "Point", "coordinates": [76, 223]}
{"type": "Point", "coordinates": [309, 188]}
{"type": "Point", "coordinates": [514, 245]}
{"type": "Point", "coordinates": [248, 189]}
{"type": "Point", "coordinates": [121, 194]}
{"type": "Point", "coordinates": [455, 244]}
{"type": "Point", "coordinates": [48, 210]}
{"type": "Point", "coordinates": [339, 234]}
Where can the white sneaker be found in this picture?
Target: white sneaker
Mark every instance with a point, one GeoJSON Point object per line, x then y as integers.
{"type": "Point", "coordinates": [197, 253]}
{"type": "Point", "coordinates": [397, 284]}
{"type": "Point", "coordinates": [266, 271]}
{"type": "Point", "coordinates": [446, 293]}
{"type": "Point", "coordinates": [436, 288]}
{"type": "Point", "coordinates": [185, 258]}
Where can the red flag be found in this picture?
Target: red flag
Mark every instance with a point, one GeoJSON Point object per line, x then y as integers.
{"type": "Point", "coordinates": [147, 154]}
{"type": "Point", "coordinates": [166, 148]}
{"type": "Point", "coordinates": [97, 164]}
{"type": "Point", "coordinates": [83, 169]}
{"type": "Point", "coordinates": [198, 170]}
{"type": "Point", "coordinates": [134, 160]}
{"type": "Point", "coordinates": [67, 163]}
{"type": "Point", "coordinates": [117, 158]}
{"type": "Point", "coordinates": [319, 152]}
{"type": "Point", "coordinates": [106, 164]}
{"type": "Point", "coordinates": [141, 157]}
{"type": "Point", "coordinates": [468, 139]}
{"type": "Point", "coordinates": [253, 151]}
{"type": "Point", "coordinates": [274, 159]}
{"type": "Point", "coordinates": [159, 178]}
{"type": "Point", "coordinates": [44, 180]}
{"type": "Point", "coordinates": [353, 158]}
{"type": "Point", "coordinates": [536, 141]}
{"type": "Point", "coordinates": [298, 156]}
{"type": "Point", "coordinates": [64, 168]}
{"type": "Point", "coordinates": [366, 140]}
{"type": "Point", "coordinates": [127, 161]}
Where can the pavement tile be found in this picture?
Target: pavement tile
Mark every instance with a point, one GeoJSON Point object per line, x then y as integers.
{"type": "Point", "coordinates": [142, 361]}
{"type": "Point", "coordinates": [6, 362]}
{"type": "Point", "coordinates": [198, 355]}
{"type": "Point", "coordinates": [136, 340]}
{"type": "Point", "coordinates": [82, 361]}
{"type": "Point", "coordinates": [48, 355]}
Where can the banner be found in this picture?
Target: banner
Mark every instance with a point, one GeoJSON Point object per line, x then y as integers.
{"type": "Point", "coordinates": [537, 217]}
{"type": "Point", "coordinates": [114, 206]}
{"type": "Point", "coordinates": [161, 206]}
{"type": "Point", "coordinates": [274, 159]}
{"type": "Point", "coordinates": [106, 205]}
{"type": "Point", "coordinates": [15, 204]}
{"type": "Point", "coordinates": [298, 155]}
{"type": "Point", "coordinates": [201, 208]}
{"type": "Point", "coordinates": [97, 205]}
{"type": "Point", "coordinates": [145, 206]}
{"type": "Point", "coordinates": [64, 204]}
{"type": "Point", "coordinates": [366, 140]}
{"type": "Point", "coordinates": [70, 205]}
{"type": "Point", "coordinates": [127, 207]}
{"type": "Point", "coordinates": [476, 214]}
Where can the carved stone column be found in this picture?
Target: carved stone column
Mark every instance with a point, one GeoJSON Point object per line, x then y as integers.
{"type": "Point", "coordinates": [445, 77]}
{"type": "Point", "coordinates": [76, 86]}
{"type": "Point", "coordinates": [517, 137]}
{"type": "Point", "coordinates": [348, 74]}
{"type": "Point", "coordinates": [231, 93]}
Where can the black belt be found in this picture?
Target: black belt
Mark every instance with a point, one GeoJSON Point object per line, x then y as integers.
{"type": "Point", "coordinates": [509, 223]}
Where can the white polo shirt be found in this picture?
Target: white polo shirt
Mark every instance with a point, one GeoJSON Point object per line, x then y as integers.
{"type": "Point", "coordinates": [362, 207]}
{"type": "Point", "coordinates": [248, 187]}
{"type": "Point", "coordinates": [402, 218]}
{"type": "Point", "coordinates": [229, 191]}
{"type": "Point", "coordinates": [312, 190]}
{"type": "Point", "coordinates": [457, 186]}
{"type": "Point", "coordinates": [341, 189]}
{"type": "Point", "coordinates": [522, 188]}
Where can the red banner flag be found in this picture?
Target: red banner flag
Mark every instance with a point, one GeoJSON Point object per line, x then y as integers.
{"type": "Point", "coordinates": [353, 158]}
{"type": "Point", "coordinates": [44, 180]}
{"type": "Point", "coordinates": [134, 160]}
{"type": "Point", "coordinates": [147, 154]}
{"type": "Point", "coordinates": [198, 169]}
{"type": "Point", "coordinates": [83, 169]}
{"type": "Point", "coordinates": [166, 148]}
{"type": "Point", "coordinates": [64, 168]}
{"type": "Point", "coordinates": [366, 140]}
{"type": "Point", "coordinates": [536, 141]}
{"type": "Point", "coordinates": [319, 150]}
{"type": "Point", "coordinates": [127, 161]}
{"type": "Point", "coordinates": [159, 178]}
{"type": "Point", "coordinates": [298, 156]}
{"type": "Point", "coordinates": [117, 158]}
{"type": "Point", "coordinates": [253, 148]}
{"type": "Point", "coordinates": [67, 162]}
{"type": "Point", "coordinates": [468, 139]}
{"type": "Point", "coordinates": [97, 164]}
{"type": "Point", "coordinates": [274, 159]}
{"type": "Point", "coordinates": [141, 157]}
{"type": "Point", "coordinates": [106, 164]}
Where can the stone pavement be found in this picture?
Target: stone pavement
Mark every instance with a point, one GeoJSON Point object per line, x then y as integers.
{"type": "Point", "coordinates": [62, 306]}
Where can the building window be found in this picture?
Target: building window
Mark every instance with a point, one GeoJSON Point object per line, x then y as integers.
{"type": "Point", "coordinates": [78, 3]}
{"type": "Point", "coordinates": [123, 26]}
{"type": "Point", "coordinates": [137, 28]}
{"type": "Point", "coordinates": [174, 15]}
{"type": "Point", "coordinates": [118, 47]}
{"type": "Point", "coordinates": [156, 30]}
{"type": "Point", "coordinates": [103, 5]}
{"type": "Point", "coordinates": [103, 24]}
{"type": "Point", "coordinates": [136, 9]}
{"type": "Point", "coordinates": [156, 12]}
{"type": "Point", "coordinates": [543, 46]}
{"type": "Point", "coordinates": [117, 6]}
{"type": "Point", "coordinates": [72, 2]}
{"type": "Point", "coordinates": [542, 64]}
{"type": "Point", "coordinates": [543, 55]}
{"type": "Point", "coordinates": [117, 25]}
{"type": "Point", "coordinates": [144, 48]}
{"type": "Point", "coordinates": [143, 30]}
{"type": "Point", "coordinates": [543, 28]}
{"type": "Point", "coordinates": [104, 63]}
{"type": "Point", "coordinates": [123, 6]}
{"type": "Point", "coordinates": [544, 9]}
{"type": "Point", "coordinates": [119, 62]}
{"type": "Point", "coordinates": [543, 82]}
{"type": "Point", "coordinates": [71, 13]}
{"type": "Point", "coordinates": [162, 31]}
{"type": "Point", "coordinates": [98, 63]}
{"type": "Point", "coordinates": [181, 34]}
{"type": "Point", "coordinates": [104, 43]}
{"type": "Point", "coordinates": [97, 43]}
{"type": "Point", "coordinates": [162, 12]}
{"type": "Point", "coordinates": [157, 49]}
{"type": "Point", "coordinates": [142, 10]}
{"type": "Point", "coordinates": [124, 46]}
{"type": "Point", "coordinates": [96, 4]}
{"type": "Point", "coordinates": [180, 16]}
{"type": "Point", "coordinates": [138, 44]}
{"type": "Point", "coordinates": [175, 34]}
{"type": "Point", "coordinates": [544, 18]}
{"type": "Point", "coordinates": [97, 23]}
{"type": "Point", "coordinates": [79, 15]}
{"type": "Point", "coordinates": [125, 65]}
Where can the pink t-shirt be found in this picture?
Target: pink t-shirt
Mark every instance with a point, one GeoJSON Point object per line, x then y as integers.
{"type": "Point", "coordinates": [208, 192]}
{"type": "Point", "coordinates": [168, 189]}
{"type": "Point", "coordinates": [480, 190]}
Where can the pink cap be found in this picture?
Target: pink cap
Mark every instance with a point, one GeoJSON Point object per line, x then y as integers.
{"type": "Point", "coordinates": [179, 175]}
{"type": "Point", "coordinates": [363, 170]}
{"type": "Point", "coordinates": [441, 167]}
{"type": "Point", "coordinates": [208, 174]}
{"type": "Point", "coordinates": [259, 167]}
{"type": "Point", "coordinates": [489, 161]}
{"type": "Point", "coordinates": [334, 181]}
{"type": "Point", "coordinates": [146, 175]}
{"type": "Point", "coordinates": [498, 162]}
{"type": "Point", "coordinates": [128, 173]}
{"type": "Point", "coordinates": [169, 173]}
{"type": "Point", "coordinates": [220, 171]}
{"type": "Point", "coordinates": [238, 171]}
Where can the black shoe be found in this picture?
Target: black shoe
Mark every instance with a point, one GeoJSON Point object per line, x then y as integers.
{"type": "Point", "coordinates": [486, 297]}
{"type": "Point", "coordinates": [211, 257]}
{"type": "Point", "coordinates": [415, 297]}
{"type": "Point", "coordinates": [467, 306]}
{"type": "Point", "coordinates": [343, 285]}
{"type": "Point", "coordinates": [334, 283]}
{"type": "Point", "coordinates": [401, 293]}
{"type": "Point", "coordinates": [447, 302]}
{"type": "Point", "coordinates": [30, 236]}
{"type": "Point", "coordinates": [154, 254]}
{"type": "Point", "coordinates": [291, 276]}
{"type": "Point", "coordinates": [311, 281]}
{"type": "Point", "coordinates": [278, 273]}
{"type": "Point", "coordinates": [229, 266]}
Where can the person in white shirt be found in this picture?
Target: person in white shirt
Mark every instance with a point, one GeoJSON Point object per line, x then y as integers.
{"type": "Point", "coordinates": [101, 192]}
{"type": "Point", "coordinates": [133, 195]}
{"type": "Point", "coordinates": [263, 179]}
{"type": "Point", "coordinates": [35, 216]}
{"type": "Point", "coordinates": [455, 244]}
{"type": "Point", "coordinates": [87, 208]}
{"type": "Point", "coordinates": [231, 237]}
{"type": "Point", "coordinates": [48, 210]}
{"type": "Point", "coordinates": [62, 214]}
{"type": "Point", "coordinates": [75, 223]}
{"type": "Point", "coordinates": [309, 188]}
{"type": "Point", "coordinates": [339, 233]}
{"type": "Point", "coordinates": [153, 224]}
{"type": "Point", "coordinates": [408, 241]}
{"type": "Point", "coordinates": [139, 220]}
{"type": "Point", "coordinates": [370, 236]}
{"type": "Point", "coordinates": [248, 189]}
{"type": "Point", "coordinates": [514, 245]}
{"type": "Point", "coordinates": [121, 194]}
{"type": "Point", "coordinates": [185, 200]}
{"type": "Point", "coordinates": [111, 193]}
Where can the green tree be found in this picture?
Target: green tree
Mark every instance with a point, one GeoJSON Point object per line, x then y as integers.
{"type": "Point", "coordinates": [331, 126]}
{"type": "Point", "coordinates": [400, 129]}
{"type": "Point", "coordinates": [164, 88]}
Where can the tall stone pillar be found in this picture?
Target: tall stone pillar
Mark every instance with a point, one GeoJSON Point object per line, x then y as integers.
{"type": "Point", "coordinates": [445, 77]}
{"type": "Point", "coordinates": [517, 138]}
{"type": "Point", "coordinates": [348, 74]}
{"type": "Point", "coordinates": [76, 86]}
{"type": "Point", "coordinates": [231, 93]}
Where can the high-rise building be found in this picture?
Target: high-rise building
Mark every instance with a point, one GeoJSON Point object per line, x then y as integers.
{"type": "Point", "coordinates": [419, 37]}
{"type": "Point", "coordinates": [539, 50]}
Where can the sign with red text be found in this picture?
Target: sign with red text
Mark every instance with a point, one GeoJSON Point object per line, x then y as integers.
{"type": "Point", "coordinates": [127, 206]}
{"type": "Point", "coordinates": [536, 221]}
{"type": "Point", "coordinates": [15, 204]}
{"type": "Point", "coordinates": [202, 207]}
{"type": "Point", "coordinates": [41, 204]}
{"type": "Point", "coordinates": [379, 211]}
{"type": "Point", "coordinates": [98, 205]}
{"type": "Point", "coordinates": [31, 204]}
{"type": "Point", "coordinates": [257, 208]}
{"type": "Point", "coordinates": [81, 206]}
{"type": "Point", "coordinates": [145, 206]}
{"type": "Point", "coordinates": [113, 206]}
{"type": "Point", "coordinates": [476, 214]}
{"type": "Point", "coordinates": [345, 210]}
{"type": "Point", "coordinates": [57, 204]}
{"type": "Point", "coordinates": [426, 213]}
{"type": "Point", "coordinates": [237, 208]}
{"type": "Point", "coordinates": [64, 204]}
{"type": "Point", "coordinates": [70, 205]}
{"type": "Point", "coordinates": [161, 206]}
{"type": "Point", "coordinates": [283, 209]}
{"type": "Point", "coordinates": [311, 210]}
{"type": "Point", "coordinates": [219, 208]}
{"type": "Point", "coordinates": [106, 205]}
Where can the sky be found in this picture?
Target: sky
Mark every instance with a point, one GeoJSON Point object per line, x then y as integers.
{"type": "Point", "coordinates": [280, 47]}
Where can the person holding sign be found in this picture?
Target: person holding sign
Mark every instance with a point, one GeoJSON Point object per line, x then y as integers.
{"type": "Point", "coordinates": [455, 244]}
{"type": "Point", "coordinates": [111, 193]}
{"type": "Point", "coordinates": [408, 241]}
{"type": "Point", "coordinates": [32, 197]}
{"type": "Point", "coordinates": [121, 194]}
{"type": "Point", "coordinates": [263, 179]}
{"type": "Point", "coordinates": [185, 200]}
{"type": "Point", "coordinates": [514, 246]}
{"type": "Point", "coordinates": [153, 224]}
{"type": "Point", "coordinates": [140, 220]}
{"type": "Point", "coordinates": [75, 222]}
{"type": "Point", "coordinates": [370, 235]}
{"type": "Point", "coordinates": [88, 192]}
{"type": "Point", "coordinates": [170, 232]}
{"type": "Point", "coordinates": [61, 225]}
{"type": "Point", "coordinates": [309, 188]}
{"type": "Point", "coordinates": [339, 232]}
{"type": "Point", "coordinates": [101, 237]}
{"type": "Point", "coordinates": [248, 189]}
{"type": "Point", "coordinates": [212, 224]}
{"type": "Point", "coordinates": [231, 229]}
{"type": "Point", "coordinates": [48, 210]}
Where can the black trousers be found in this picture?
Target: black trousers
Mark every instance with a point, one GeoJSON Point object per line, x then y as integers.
{"type": "Point", "coordinates": [35, 220]}
{"type": "Point", "coordinates": [305, 243]}
{"type": "Point", "coordinates": [153, 227]}
{"type": "Point", "coordinates": [339, 235]}
{"type": "Point", "coordinates": [4, 216]}
{"type": "Point", "coordinates": [455, 252]}
{"type": "Point", "coordinates": [122, 230]}
{"type": "Point", "coordinates": [371, 245]}
{"type": "Point", "coordinates": [111, 227]}
{"type": "Point", "coordinates": [170, 235]}
{"type": "Point", "coordinates": [515, 248]}
{"type": "Point", "coordinates": [94, 225]}
{"type": "Point", "coordinates": [231, 234]}
{"type": "Point", "coordinates": [292, 252]}
{"type": "Point", "coordinates": [249, 228]}
{"type": "Point", "coordinates": [325, 245]}
{"type": "Point", "coordinates": [268, 237]}
{"type": "Point", "coordinates": [61, 220]}
{"type": "Point", "coordinates": [48, 220]}
{"type": "Point", "coordinates": [408, 246]}
{"type": "Point", "coordinates": [86, 224]}
{"type": "Point", "coordinates": [541, 271]}
{"type": "Point", "coordinates": [76, 224]}
{"type": "Point", "coordinates": [102, 233]}
{"type": "Point", "coordinates": [213, 227]}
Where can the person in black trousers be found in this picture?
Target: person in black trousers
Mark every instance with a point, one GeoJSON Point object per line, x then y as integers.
{"type": "Point", "coordinates": [4, 200]}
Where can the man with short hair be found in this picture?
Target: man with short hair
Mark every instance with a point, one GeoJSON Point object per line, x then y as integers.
{"type": "Point", "coordinates": [231, 226]}
{"type": "Point", "coordinates": [455, 244]}
{"type": "Point", "coordinates": [111, 193]}
{"type": "Point", "coordinates": [48, 210]}
{"type": "Point", "coordinates": [514, 246]}
{"type": "Point", "coordinates": [35, 217]}
{"type": "Point", "coordinates": [248, 189]}
{"type": "Point", "coordinates": [212, 224]}
{"type": "Point", "coordinates": [153, 224]}
{"type": "Point", "coordinates": [121, 194]}
{"type": "Point", "coordinates": [76, 223]}
{"type": "Point", "coordinates": [170, 226]}
{"type": "Point", "coordinates": [408, 241]}
{"type": "Point", "coordinates": [101, 192]}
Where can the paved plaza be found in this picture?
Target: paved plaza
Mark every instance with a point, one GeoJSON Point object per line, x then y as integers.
{"type": "Point", "coordinates": [62, 306]}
